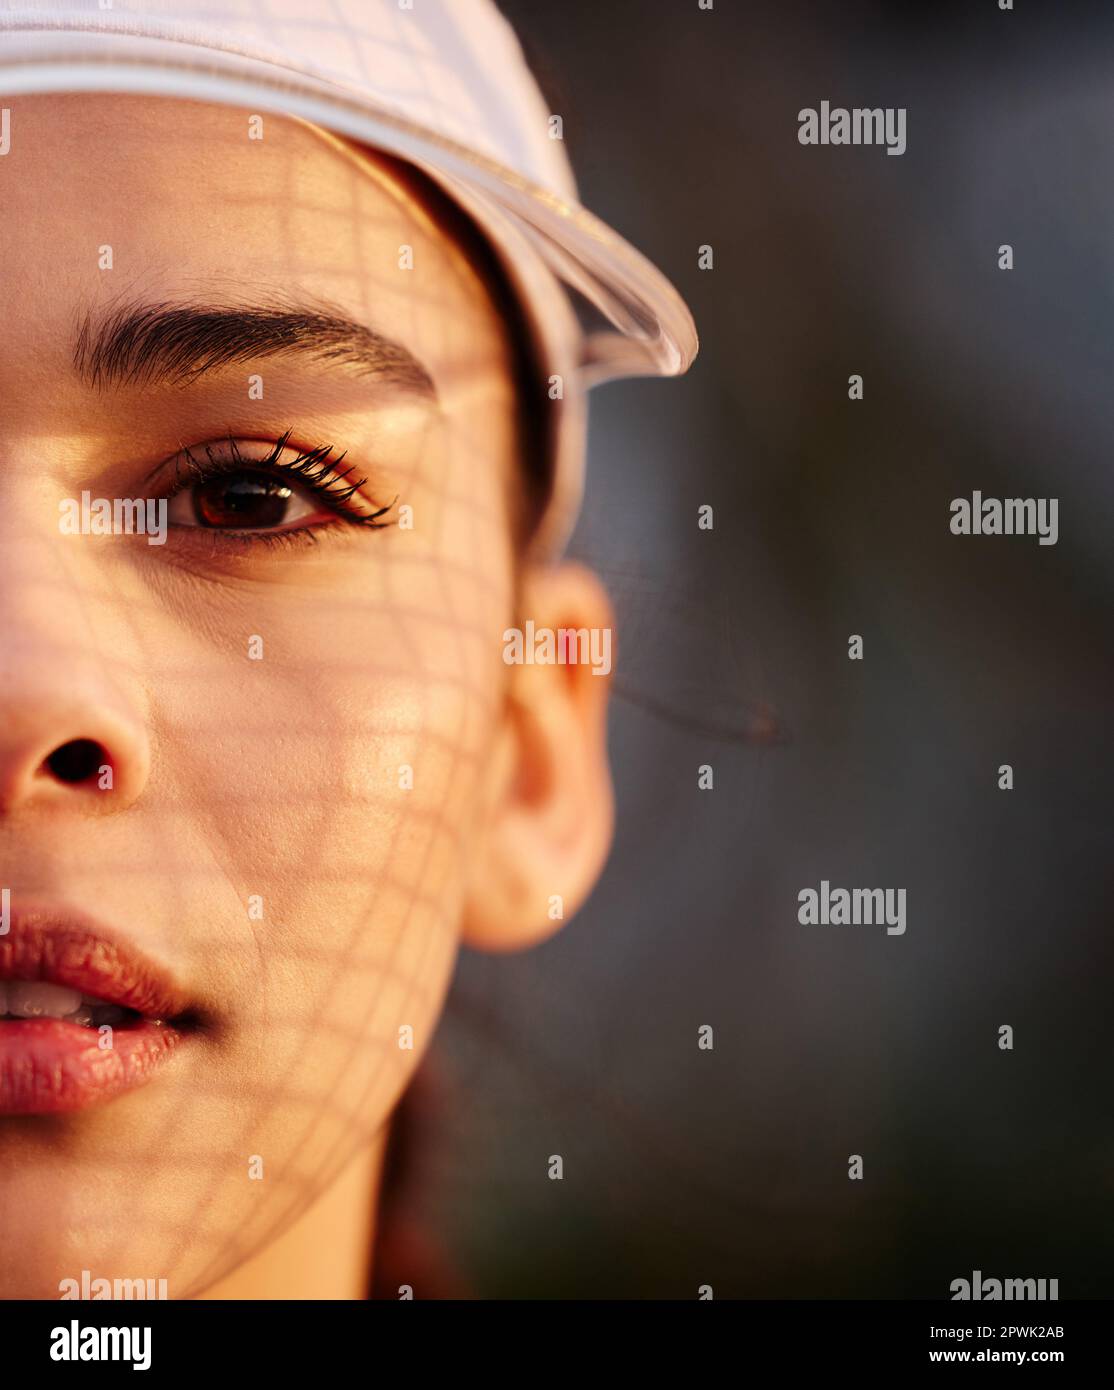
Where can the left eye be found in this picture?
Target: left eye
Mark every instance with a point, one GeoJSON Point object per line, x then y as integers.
{"type": "Point", "coordinates": [241, 501]}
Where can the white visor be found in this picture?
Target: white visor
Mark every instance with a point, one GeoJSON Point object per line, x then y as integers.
{"type": "Point", "coordinates": [442, 85]}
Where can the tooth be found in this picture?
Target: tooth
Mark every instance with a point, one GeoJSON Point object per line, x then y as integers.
{"type": "Point", "coordinates": [84, 1016]}
{"type": "Point", "coordinates": [41, 1000]}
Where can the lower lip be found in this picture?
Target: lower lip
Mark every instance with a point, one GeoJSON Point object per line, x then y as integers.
{"type": "Point", "coordinates": [48, 1066]}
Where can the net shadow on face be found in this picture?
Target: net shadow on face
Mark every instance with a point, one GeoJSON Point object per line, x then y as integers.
{"type": "Point", "coordinates": [314, 714]}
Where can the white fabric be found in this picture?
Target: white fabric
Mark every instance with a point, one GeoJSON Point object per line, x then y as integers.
{"type": "Point", "coordinates": [442, 84]}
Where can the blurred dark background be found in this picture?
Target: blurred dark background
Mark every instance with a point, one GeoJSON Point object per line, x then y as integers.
{"type": "Point", "coordinates": [730, 1168]}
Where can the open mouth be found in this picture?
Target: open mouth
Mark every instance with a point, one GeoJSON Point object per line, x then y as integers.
{"type": "Point", "coordinates": [39, 999]}
{"type": "Point", "coordinates": [84, 1016]}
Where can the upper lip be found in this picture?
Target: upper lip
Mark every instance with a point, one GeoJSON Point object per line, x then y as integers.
{"type": "Point", "coordinates": [68, 948]}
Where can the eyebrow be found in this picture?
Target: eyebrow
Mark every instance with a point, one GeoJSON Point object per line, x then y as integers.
{"type": "Point", "coordinates": [165, 343]}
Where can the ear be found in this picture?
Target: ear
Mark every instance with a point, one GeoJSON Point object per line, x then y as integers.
{"type": "Point", "coordinates": [550, 807]}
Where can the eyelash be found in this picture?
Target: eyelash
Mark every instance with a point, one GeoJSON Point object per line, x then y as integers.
{"type": "Point", "coordinates": [315, 469]}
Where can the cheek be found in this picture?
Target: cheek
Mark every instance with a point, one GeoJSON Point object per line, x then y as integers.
{"type": "Point", "coordinates": [350, 753]}
{"type": "Point", "coordinates": [338, 781]}
{"type": "Point", "coordinates": [341, 798]}
{"type": "Point", "coordinates": [344, 801]}
{"type": "Point", "coordinates": [329, 792]}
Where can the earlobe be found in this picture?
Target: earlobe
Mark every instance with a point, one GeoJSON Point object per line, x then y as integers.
{"type": "Point", "coordinates": [550, 807]}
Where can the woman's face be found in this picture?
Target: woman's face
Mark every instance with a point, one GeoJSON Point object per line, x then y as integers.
{"type": "Point", "coordinates": [297, 706]}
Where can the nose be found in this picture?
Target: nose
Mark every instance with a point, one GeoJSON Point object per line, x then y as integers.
{"type": "Point", "coordinates": [71, 737]}
{"type": "Point", "coordinates": [67, 741]}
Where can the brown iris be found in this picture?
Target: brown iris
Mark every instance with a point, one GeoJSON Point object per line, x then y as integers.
{"type": "Point", "coordinates": [248, 501]}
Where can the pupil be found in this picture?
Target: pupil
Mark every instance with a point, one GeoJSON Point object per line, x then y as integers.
{"type": "Point", "coordinates": [244, 500]}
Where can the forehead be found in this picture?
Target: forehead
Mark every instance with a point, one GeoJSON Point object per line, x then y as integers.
{"type": "Point", "coordinates": [201, 200]}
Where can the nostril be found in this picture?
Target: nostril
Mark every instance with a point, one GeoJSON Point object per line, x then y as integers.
{"type": "Point", "coordinates": [77, 760]}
